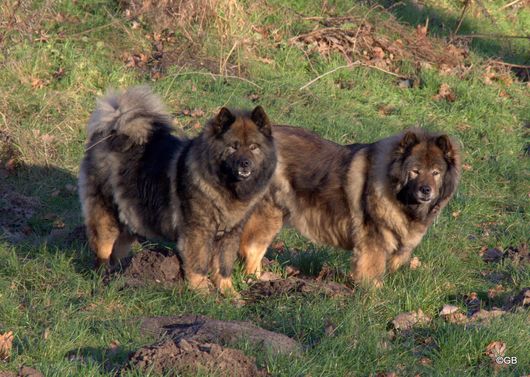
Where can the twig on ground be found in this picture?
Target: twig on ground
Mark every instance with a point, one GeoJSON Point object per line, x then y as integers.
{"type": "Point", "coordinates": [356, 63]}
{"type": "Point", "coordinates": [461, 18]}
{"type": "Point", "coordinates": [510, 64]}
{"type": "Point", "coordinates": [509, 4]}
{"type": "Point", "coordinates": [214, 75]}
{"type": "Point", "coordinates": [497, 36]}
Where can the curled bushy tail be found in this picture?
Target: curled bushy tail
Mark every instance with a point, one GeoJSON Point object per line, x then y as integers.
{"type": "Point", "coordinates": [135, 113]}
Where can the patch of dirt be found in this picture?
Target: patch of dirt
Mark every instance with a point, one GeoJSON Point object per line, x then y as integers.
{"type": "Point", "coordinates": [147, 267]}
{"type": "Point", "coordinates": [293, 285]}
{"type": "Point", "coordinates": [189, 357]}
{"type": "Point", "coordinates": [358, 39]}
{"type": "Point", "coordinates": [522, 299]}
{"type": "Point", "coordinates": [207, 330]}
{"type": "Point", "coordinates": [403, 323]}
{"type": "Point", "coordinates": [519, 255]}
{"type": "Point", "coordinates": [23, 372]}
{"type": "Point", "coordinates": [15, 211]}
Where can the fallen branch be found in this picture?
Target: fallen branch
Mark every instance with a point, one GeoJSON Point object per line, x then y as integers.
{"type": "Point", "coordinates": [356, 63]}
{"type": "Point", "coordinates": [510, 64]}
{"type": "Point", "coordinates": [214, 75]}
{"type": "Point", "coordinates": [509, 4]}
{"type": "Point", "coordinates": [461, 19]}
{"type": "Point", "coordinates": [497, 36]}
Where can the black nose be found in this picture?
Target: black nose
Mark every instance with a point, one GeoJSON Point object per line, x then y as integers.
{"type": "Point", "coordinates": [425, 190]}
{"type": "Point", "coordinates": [244, 163]}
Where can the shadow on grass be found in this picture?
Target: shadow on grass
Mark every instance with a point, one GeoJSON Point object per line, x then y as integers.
{"type": "Point", "coordinates": [110, 359]}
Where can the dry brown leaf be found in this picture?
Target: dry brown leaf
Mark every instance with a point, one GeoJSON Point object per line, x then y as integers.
{"type": "Point", "coordinates": [421, 30]}
{"type": "Point", "coordinates": [445, 93]}
{"type": "Point", "coordinates": [6, 345]}
{"type": "Point", "coordinates": [269, 276]}
{"type": "Point", "coordinates": [47, 138]}
{"type": "Point", "coordinates": [449, 309]}
{"type": "Point", "coordinates": [495, 349]}
{"type": "Point", "coordinates": [467, 167]}
{"type": "Point", "coordinates": [494, 292]}
{"type": "Point", "coordinates": [37, 83]}
{"type": "Point", "coordinates": [196, 113]}
{"type": "Point", "coordinates": [425, 361]}
{"type": "Point", "coordinates": [378, 53]}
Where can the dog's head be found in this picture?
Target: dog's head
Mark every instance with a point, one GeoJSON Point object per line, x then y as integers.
{"type": "Point", "coordinates": [241, 152]}
{"type": "Point", "coordinates": [425, 168]}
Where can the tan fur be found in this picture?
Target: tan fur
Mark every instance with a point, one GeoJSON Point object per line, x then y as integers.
{"type": "Point", "coordinates": [102, 232]}
{"type": "Point", "coordinates": [347, 197]}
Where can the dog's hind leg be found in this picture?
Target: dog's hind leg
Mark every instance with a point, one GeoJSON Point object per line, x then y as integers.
{"type": "Point", "coordinates": [102, 230]}
{"type": "Point", "coordinates": [259, 231]}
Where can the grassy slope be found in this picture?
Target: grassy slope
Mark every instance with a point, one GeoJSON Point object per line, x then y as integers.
{"type": "Point", "coordinates": [55, 304]}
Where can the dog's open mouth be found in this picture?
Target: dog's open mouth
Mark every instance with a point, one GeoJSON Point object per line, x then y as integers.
{"type": "Point", "coordinates": [424, 199]}
{"type": "Point", "coordinates": [244, 173]}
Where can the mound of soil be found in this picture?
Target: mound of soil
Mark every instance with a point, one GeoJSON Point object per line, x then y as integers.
{"type": "Point", "coordinates": [293, 285]}
{"type": "Point", "coordinates": [23, 372]}
{"type": "Point", "coordinates": [157, 266]}
{"type": "Point", "coordinates": [189, 357]}
{"type": "Point", "coordinates": [15, 211]}
{"type": "Point", "coordinates": [207, 330]}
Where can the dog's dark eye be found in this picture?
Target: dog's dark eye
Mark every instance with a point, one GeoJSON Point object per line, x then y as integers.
{"type": "Point", "coordinates": [415, 171]}
{"type": "Point", "coordinates": [231, 149]}
{"type": "Point", "coordinates": [435, 172]}
{"type": "Point", "coordinates": [253, 147]}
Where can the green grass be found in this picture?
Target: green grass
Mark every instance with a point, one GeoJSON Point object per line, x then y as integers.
{"type": "Point", "coordinates": [57, 306]}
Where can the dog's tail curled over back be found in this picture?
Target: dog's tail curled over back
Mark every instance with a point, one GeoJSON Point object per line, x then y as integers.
{"type": "Point", "coordinates": [135, 113]}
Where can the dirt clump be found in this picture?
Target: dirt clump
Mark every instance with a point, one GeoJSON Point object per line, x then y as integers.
{"type": "Point", "coordinates": [22, 372]}
{"type": "Point", "coordinates": [522, 299]}
{"type": "Point", "coordinates": [147, 267]}
{"type": "Point", "coordinates": [15, 212]}
{"type": "Point", "coordinates": [208, 330]}
{"type": "Point", "coordinates": [294, 285]}
{"type": "Point", "coordinates": [519, 255]}
{"type": "Point", "coordinates": [189, 357]}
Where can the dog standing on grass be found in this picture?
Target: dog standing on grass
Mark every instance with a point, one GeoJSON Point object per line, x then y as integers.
{"type": "Point", "coordinates": [377, 200]}
{"type": "Point", "coordinates": [136, 179]}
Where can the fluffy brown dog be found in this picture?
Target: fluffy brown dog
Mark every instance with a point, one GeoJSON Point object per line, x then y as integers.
{"type": "Point", "coordinates": [377, 200]}
{"type": "Point", "coordinates": [138, 179]}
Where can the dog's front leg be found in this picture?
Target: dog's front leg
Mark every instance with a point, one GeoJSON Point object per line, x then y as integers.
{"type": "Point", "coordinates": [226, 248]}
{"type": "Point", "coordinates": [399, 258]}
{"type": "Point", "coordinates": [195, 247]}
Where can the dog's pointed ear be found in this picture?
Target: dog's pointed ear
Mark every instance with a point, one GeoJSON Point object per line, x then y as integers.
{"type": "Point", "coordinates": [260, 118]}
{"type": "Point", "coordinates": [446, 146]}
{"type": "Point", "coordinates": [408, 140]}
{"type": "Point", "coordinates": [223, 120]}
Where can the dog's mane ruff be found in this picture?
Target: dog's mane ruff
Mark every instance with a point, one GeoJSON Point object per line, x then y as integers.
{"type": "Point", "coordinates": [135, 113]}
